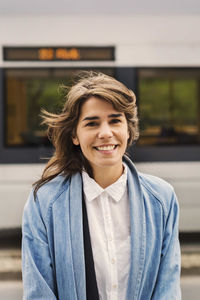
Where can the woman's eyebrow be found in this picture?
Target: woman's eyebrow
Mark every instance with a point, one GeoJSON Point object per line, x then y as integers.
{"type": "Point", "coordinates": [97, 118]}
{"type": "Point", "coordinates": [115, 115]}
{"type": "Point", "coordinates": [90, 118]}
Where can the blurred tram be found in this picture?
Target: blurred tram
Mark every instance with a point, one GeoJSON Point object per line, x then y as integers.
{"type": "Point", "coordinates": [168, 99]}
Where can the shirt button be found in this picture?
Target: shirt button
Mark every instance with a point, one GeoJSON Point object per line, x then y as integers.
{"type": "Point", "coordinates": [112, 261]}
{"type": "Point", "coordinates": [114, 286]}
{"type": "Point", "coordinates": [110, 238]}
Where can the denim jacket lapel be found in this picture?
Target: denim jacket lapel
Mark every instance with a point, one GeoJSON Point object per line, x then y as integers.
{"type": "Point", "coordinates": [69, 249]}
{"type": "Point", "coordinates": [138, 232]}
{"type": "Point", "coordinates": [76, 228]}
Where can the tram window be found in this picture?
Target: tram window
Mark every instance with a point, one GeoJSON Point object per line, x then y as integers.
{"type": "Point", "coordinates": [27, 91]}
{"type": "Point", "coordinates": [169, 106]}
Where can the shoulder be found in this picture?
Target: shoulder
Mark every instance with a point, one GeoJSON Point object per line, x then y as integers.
{"type": "Point", "coordinates": [46, 195]}
{"type": "Point", "coordinates": [158, 189]}
{"type": "Point", "coordinates": [155, 184]}
{"type": "Point", "coordinates": [156, 192]}
{"type": "Point", "coordinates": [51, 190]}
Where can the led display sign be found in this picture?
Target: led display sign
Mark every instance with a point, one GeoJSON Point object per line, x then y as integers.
{"type": "Point", "coordinates": [58, 53]}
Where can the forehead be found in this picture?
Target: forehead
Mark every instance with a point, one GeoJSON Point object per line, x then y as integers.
{"type": "Point", "coordinates": [96, 105]}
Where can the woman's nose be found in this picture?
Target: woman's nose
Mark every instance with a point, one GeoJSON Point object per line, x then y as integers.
{"type": "Point", "coordinates": [105, 131]}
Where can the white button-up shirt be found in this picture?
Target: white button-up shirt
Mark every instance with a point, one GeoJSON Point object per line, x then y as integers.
{"type": "Point", "coordinates": [109, 225]}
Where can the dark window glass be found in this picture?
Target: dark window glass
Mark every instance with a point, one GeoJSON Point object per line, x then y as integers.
{"type": "Point", "coordinates": [27, 92]}
{"type": "Point", "coordinates": [169, 106]}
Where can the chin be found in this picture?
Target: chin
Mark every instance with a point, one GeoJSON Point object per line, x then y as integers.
{"type": "Point", "coordinates": [110, 162]}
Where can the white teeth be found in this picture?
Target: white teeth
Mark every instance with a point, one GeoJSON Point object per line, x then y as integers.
{"type": "Point", "coordinates": [106, 148]}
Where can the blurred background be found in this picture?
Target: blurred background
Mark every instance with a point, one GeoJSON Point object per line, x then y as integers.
{"type": "Point", "coordinates": [151, 46]}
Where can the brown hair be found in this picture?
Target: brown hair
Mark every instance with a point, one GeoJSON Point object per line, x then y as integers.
{"type": "Point", "coordinates": [68, 158]}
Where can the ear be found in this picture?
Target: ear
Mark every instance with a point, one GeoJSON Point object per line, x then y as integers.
{"type": "Point", "coordinates": [75, 141]}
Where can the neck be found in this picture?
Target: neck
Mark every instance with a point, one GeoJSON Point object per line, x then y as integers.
{"type": "Point", "coordinates": [108, 175]}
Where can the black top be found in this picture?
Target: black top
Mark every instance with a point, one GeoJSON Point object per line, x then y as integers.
{"type": "Point", "coordinates": [91, 283]}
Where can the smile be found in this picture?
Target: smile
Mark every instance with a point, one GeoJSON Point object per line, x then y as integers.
{"type": "Point", "coordinates": [106, 148]}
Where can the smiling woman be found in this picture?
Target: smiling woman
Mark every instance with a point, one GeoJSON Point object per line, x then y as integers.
{"type": "Point", "coordinates": [93, 227]}
{"type": "Point", "coordinates": [102, 134]}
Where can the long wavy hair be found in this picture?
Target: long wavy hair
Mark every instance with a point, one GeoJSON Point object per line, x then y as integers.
{"type": "Point", "coordinates": [68, 158]}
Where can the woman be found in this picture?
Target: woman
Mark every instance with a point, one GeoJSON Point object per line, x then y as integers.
{"type": "Point", "coordinates": [93, 227]}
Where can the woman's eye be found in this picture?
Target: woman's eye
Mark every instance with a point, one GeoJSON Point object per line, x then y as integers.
{"type": "Point", "coordinates": [115, 121]}
{"type": "Point", "coordinates": [91, 124]}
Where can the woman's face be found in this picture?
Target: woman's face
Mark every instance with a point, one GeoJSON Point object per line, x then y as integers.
{"type": "Point", "coordinates": [102, 134]}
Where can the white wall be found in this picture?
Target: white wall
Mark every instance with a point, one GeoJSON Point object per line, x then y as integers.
{"type": "Point", "coordinates": [140, 40]}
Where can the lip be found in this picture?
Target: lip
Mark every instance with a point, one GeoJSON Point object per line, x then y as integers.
{"type": "Point", "coordinates": [107, 151]}
{"type": "Point", "coordinates": [105, 145]}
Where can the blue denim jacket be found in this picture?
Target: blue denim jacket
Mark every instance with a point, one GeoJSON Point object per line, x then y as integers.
{"type": "Point", "coordinates": [52, 244]}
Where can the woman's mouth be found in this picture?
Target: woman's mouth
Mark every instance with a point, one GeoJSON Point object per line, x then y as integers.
{"type": "Point", "coordinates": [106, 147]}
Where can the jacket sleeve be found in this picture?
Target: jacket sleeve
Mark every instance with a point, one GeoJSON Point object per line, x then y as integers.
{"type": "Point", "coordinates": [168, 279]}
{"type": "Point", "coordinates": [37, 271]}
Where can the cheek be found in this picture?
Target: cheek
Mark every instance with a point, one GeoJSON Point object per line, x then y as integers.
{"type": "Point", "coordinates": [128, 133]}
{"type": "Point", "coordinates": [125, 134]}
{"type": "Point", "coordinates": [85, 142]}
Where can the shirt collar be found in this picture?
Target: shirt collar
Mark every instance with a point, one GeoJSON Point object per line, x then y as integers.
{"type": "Point", "coordinates": [92, 189]}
